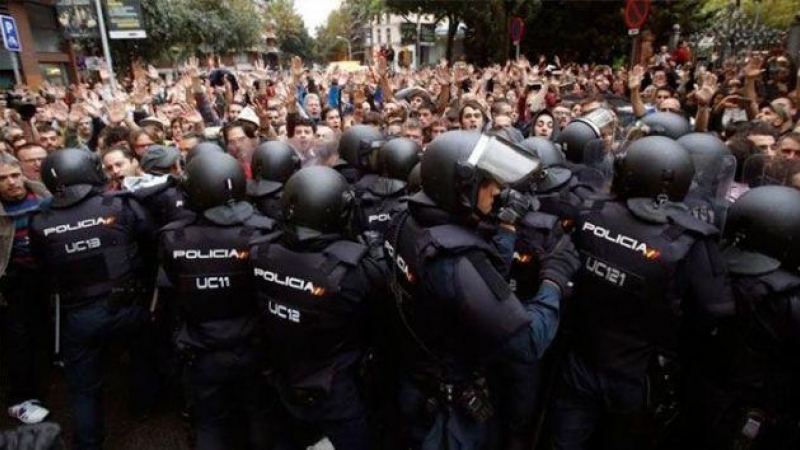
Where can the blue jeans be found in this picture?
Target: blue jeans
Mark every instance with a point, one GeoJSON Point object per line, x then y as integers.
{"type": "Point", "coordinates": [586, 398]}
{"type": "Point", "coordinates": [87, 331]}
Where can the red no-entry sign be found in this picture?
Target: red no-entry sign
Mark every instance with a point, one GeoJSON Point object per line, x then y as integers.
{"type": "Point", "coordinates": [636, 13]}
{"type": "Point", "coordinates": [517, 29]}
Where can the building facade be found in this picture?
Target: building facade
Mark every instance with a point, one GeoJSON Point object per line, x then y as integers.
{"type": "Point", "coordinates": [403, 32]}
{"type": "Point", "coordinates": [45, 54]}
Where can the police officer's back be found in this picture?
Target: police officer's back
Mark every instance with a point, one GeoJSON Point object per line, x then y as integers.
{"type": "Point", "coordinates": [206, 260]}
{"type": "Point", "coordinates": [91, 247]}
{"type": "Point", "coordinates": [158, 189]}
{"type": "Point", "coordinates": [381, 198]}
{"type": "Point", "coordinates": [456, 315]}
{"type": "Point", "coordinates": [645, 262]}
{"type": "Point", "coordinates": [745, 392]}
{"type": "Point", "coordinates": [272, 165]}
{"type": "Point", "coordinates": [358, 149]}
{"type": "Point", "coordinates": [315, 287]}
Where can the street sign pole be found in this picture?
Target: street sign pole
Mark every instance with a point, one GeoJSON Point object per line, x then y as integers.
{"type": "Point", "coordinates": [106, 49]}
{"type": "Point", "coordinates": [15, 67]}
{"type": "Point", "coordinates": [516, 46]}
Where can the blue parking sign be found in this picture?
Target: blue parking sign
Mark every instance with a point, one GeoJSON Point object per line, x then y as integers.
{"type": "Point", "coordinates": [10, 34]}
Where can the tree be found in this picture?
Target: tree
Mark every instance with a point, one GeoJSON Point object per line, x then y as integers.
{"type": "Point", "coordinates": [454, 10]}
{"type": "Point", "coordinates": [291, 30]}
{"type": "Point", "coordinates": [175, 29]}
{"type": "Point", "coordinates": [347, 21]}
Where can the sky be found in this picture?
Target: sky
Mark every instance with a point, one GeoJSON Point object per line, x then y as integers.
{"type": "Point", "coordinates": [315, 12]}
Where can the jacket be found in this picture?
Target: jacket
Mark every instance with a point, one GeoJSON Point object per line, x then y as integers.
{"type": "Point", "coordinates": [7, 225]}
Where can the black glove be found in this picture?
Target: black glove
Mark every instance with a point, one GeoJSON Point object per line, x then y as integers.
{"type": "Point", "coordinates": [512, 206]}
{"type": "Point", "coordinates": [560, 265]}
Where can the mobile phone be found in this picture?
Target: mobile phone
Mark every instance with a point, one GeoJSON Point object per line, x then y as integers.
{"type": "Point", "coordinates": [744, 101]}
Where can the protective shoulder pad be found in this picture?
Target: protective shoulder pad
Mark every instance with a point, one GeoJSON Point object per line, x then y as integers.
{"type": "Point", "coordinates": [348, 252]}
{"type": "Point", "coordinates": [692, 224]}
{"type": "Point", "coordinates": [781, 280]}
{"type": "Point", "coordinates": [145, 192]}
{"type": "Point", "coordinates": [178, 224]}
{"type": "Point", "coordinates": [539, 220]}
{"type": "Point", "coordinates": [454, 238]}
{"type": "Point", "coordinates": [266, 238]}
{"type": "Point", "coordinates": [741, 262]}
{"type": "Point", "coordinates": [260, 222]}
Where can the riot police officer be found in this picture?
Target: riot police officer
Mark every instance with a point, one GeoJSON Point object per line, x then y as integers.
{"type": "Point", "coordinates": [381, 198]}
{"type": "Point", "coordinates": [272, 164]}
{"type": "Point", "coordinates": [714, 167]}
{"type": "Point", "coordinates": [456, 315]}
{"type": "Point", "coordinates": [91, 246]}
{"type": "Point", "coordinates": [560, 190]}
{"type": "Point", "coordinates": [315, 287]}
{"type": "Point", "coordinates": [744, 391]}
{"type": "Point", "coordinates": [358, 148]}
{"type": "Point", "coordinates": [644, 260]}
{"type": "Point", "coordinates": [159, 193]}
{"type": "Point", "coordinates": [206, 260]}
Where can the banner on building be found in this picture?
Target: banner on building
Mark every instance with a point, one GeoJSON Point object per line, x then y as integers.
{"type": "Point", "coordinates": [124, 19]}
{"type": "Point", "coordinates": [77, 18]}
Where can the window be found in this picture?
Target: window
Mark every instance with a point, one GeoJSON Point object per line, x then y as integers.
{"type": "Point", "coordinates": [44, 28]}
{"type": "Point", "coordinates": [388, 35]}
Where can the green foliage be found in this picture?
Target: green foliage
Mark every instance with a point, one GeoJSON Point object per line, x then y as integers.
{"type": "Point", "coordinates": [290, 30]}
{"type": "Point", "coordinates": [349, 22]}
{"type": "Point", "coordinates": [175, 29]}
{"type": "Point", "coordinates": [774, 13]}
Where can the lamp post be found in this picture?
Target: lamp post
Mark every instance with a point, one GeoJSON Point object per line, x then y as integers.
{"type": "Point", "coordinates": [349, 50]}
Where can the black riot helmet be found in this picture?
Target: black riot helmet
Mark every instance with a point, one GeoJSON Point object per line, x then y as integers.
{"type": "Point", "coordinates": [359, 145]}
{"type": "Point", "coordinates": [213, 179]}
{"type": "Point", "coordinates": [70, 174]}
{"type": "Point", "coordinates": [415, 180]}
{"type": "Point", "coordinates": [582, 130]}
{"type": "Point", "coordinates": [457, 162]}
{"type": "Point", "coordinates": [714, 165]}
{"type": "Point", "coordinates": [202, 149]}
{"type": "Point", "coordinates": [549, 155]}
{"type": "Point", "coordinates": [275, 161]}
{"type": "Point", "coordinates": [653, 167]}
{"type": "Point", "coordinates": [766, 220]}
{"type": "Point", "coordinates": [316, 200]}
{"type": "Point", "coordinates": [397, 158]}
{"type": "Point", "coordinates": [669, 124]}
{"type": "Point", "coordinates": [555, 174]}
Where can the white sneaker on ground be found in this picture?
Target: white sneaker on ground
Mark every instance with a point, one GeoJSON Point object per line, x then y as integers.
{"type": "Point", "coordinates": [28, 412]}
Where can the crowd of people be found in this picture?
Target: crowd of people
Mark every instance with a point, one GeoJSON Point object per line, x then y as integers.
{"type": "Point", "coordinates": [536, 254]}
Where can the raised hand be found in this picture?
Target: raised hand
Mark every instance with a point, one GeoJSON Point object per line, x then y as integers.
{"type": "Point", "coordinates": [635, 77]}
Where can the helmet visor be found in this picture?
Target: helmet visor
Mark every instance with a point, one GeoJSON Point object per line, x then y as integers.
{"type": "Point", "coordinates": [503, 161]}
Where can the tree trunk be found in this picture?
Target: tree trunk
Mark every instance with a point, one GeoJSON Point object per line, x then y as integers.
{"type": "Point", "coordinates": [452, 29]}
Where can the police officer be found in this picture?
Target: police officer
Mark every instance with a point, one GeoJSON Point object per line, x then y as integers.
{"type": "Point", "coordinates": [744, 388]}
{"type": "Point", "coordinates": [715, 168]}
{"type": "Point", "coordinates": [358, 148]}
{"type": "Point", "coordinates": [206, 260]}
{"type": "Point", "coordinates": [315, 288]}
{"type": "Point", "coordinates": [273, 163]}
{"type": "Point", "coordinates": [456, 315]}
{"type": "Point", "coordinates": [160, 194]}
{"type": "Point", "coordinates": [559, 190]}
{"type": "Point", "coordinates": [381, 198]}
{"type": "Point", "coordinates": [645, 259]}
{"type": "Point", "coordinates": [91, 246]}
